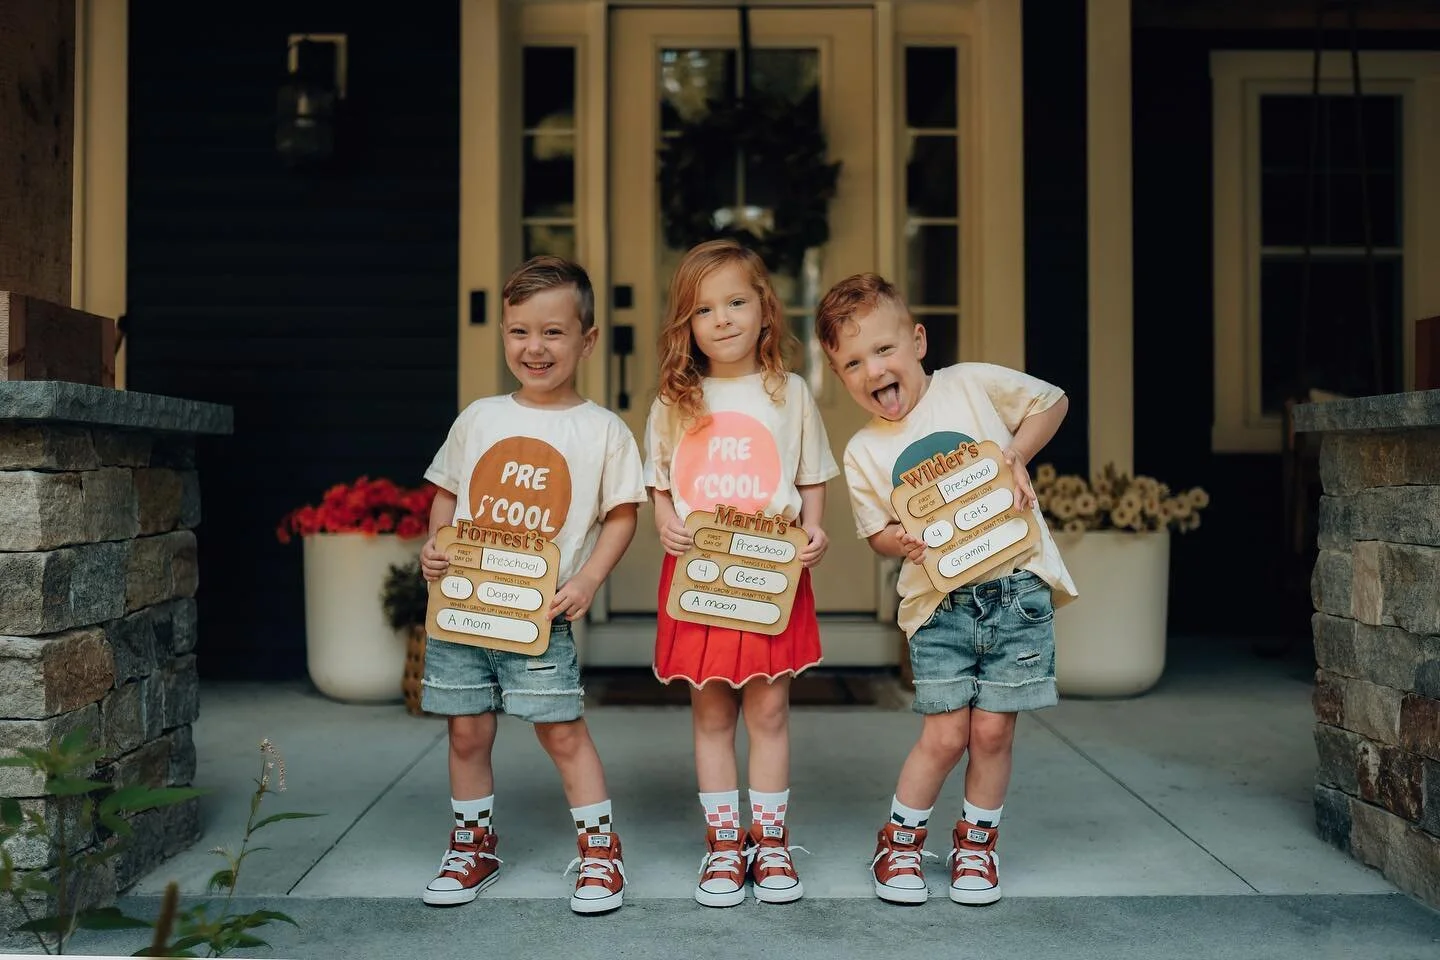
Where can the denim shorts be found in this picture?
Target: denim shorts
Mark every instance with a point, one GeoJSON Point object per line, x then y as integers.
{"type": "Point", "coordinates": [464, 680]}
{"type": "Point", "coordinates": [989, 645]}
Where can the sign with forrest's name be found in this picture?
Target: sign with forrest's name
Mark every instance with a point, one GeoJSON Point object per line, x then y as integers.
{"type": "Point", "coordinates": [498, 589]}
{"type": "Point", "coordinates": [741, 572]}
{"type": "Point", "coordinates": [961, 502]}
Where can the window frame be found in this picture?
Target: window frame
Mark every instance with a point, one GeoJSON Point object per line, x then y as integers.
{"type": "Point", "coordinates": [1238, 81]}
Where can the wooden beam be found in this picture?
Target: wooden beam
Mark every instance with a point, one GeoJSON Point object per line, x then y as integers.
{"type": "Point", "coordinates": [37, 115]}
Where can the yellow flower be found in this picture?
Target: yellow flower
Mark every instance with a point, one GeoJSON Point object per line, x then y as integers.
{"type": "Point", "coordinates": [1045, 474]}
{"type": "Point", "coordinates": [1075, 526]}
{"type": "Point", "coordinates": [1199, 499]}
{"type": "Point", "coordinates": [1085, 504]}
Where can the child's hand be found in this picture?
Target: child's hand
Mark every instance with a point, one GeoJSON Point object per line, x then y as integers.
{"type": "Point", "coordinates": [675, 538]}
{"type": "Point", "coordinates": [912, 547]}
{"type": "Point", "coordinates": [815, 549]}
{"type": "Point", "coordinates": [573, 599]}
{"type": "Point", "coordinates": [1024, 492]}
{"type": "Point", "coordinates": [433, 562]}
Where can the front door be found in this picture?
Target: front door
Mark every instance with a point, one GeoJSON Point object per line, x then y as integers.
{"type": "Point", "coordinates": [666, 65]}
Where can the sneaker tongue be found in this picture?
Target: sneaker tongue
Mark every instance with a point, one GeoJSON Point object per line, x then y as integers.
{"type": "Point", "coordinates": [597, 840]}
{"type": "Point", "coordinates": [772, 832]}
{"type": "Point", "coordinates": [464, 836]}
{"type": "Point", "coordinates": [903, 836]}
{"type": "Point", "coordinates": [976, 835]}
{"type": "Point", "coordinates": [727, 833]}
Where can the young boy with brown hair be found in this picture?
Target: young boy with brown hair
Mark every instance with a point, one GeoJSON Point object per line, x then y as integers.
{"type": "Point", "coordinates": [982, 652]}
{"type": "Point", "coordinates": [545, 459]}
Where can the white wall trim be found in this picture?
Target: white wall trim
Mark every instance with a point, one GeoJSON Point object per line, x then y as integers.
{"type": "Point", "coordinates": [1109, 177]}
{"type": "Point", "coordinates": [1238, 80]}
{"type": "Point", "coordinates": [100, 173]}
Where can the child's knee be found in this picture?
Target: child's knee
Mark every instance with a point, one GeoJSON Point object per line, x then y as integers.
{"type": "Point", "coordinates": [767, 716]}
{"type": "Point", "coordinates": [565, 739]}
{"type": "Point", "coordinates": [471, 736]}
{"type": "Point", "coordinates": [947, 735]}
{"type": "Point", "coordinates": [992, 732]}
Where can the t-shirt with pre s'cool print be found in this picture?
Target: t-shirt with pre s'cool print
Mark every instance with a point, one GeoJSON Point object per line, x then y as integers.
{"type": "Point", "coordinates": [555, 471]}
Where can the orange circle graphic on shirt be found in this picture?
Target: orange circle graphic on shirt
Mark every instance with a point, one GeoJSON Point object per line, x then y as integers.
{"type": "Point", "coordinates": [521, 483]}
{"type": "Point", "coordinates": [731, 460]}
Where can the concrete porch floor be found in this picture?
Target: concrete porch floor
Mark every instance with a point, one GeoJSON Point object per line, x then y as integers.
{"type": "Point", "coordinates": [1183, 817]}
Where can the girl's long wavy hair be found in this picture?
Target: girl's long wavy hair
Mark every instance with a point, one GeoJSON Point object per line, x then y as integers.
{"type": "Point", "coordinates": [682, 364]}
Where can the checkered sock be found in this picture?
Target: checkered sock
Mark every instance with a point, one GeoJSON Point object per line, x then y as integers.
{"type": "Point", "coordinates": [908, 816]}
{"type": "Point", "coordinates": [721, 809]}
{"type": "Point", "coordinates": [768, 809]}
{"type": "Point", "coordinates": [982, 817]}
{"type": "Point", "coordinates": [594, 818]}
{"type": "Point", "coordinates": [473, 814]}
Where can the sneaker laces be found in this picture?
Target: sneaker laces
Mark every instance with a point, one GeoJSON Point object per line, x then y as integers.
{"type": "Point", "coordinates": [463, 861]}
{"type": "Point", "coordinates": [970, 860]}
{"type": "Point", "coordinates": [899, 859]}
{"type": "Point", "coordinates": [774, 858]}
{"type": "Point", "coordinates": [595, 868]}
{"type": "Point", "coordinates": [721, 861]}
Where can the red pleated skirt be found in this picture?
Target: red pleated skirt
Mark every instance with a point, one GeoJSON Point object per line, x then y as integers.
{"type": "Point", "coordinates": [700, 653]}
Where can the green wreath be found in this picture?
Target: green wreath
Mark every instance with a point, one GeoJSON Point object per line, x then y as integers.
{"type": "Point", "coordinates": [785, 142]}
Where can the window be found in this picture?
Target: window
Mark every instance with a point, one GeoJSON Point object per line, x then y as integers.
{"type": "Point", "coordinates": [1268, 198]}
{"type": "Point", "coordinates": [931, 251]}
{"type": "Point", "coordinates": [548, 167]}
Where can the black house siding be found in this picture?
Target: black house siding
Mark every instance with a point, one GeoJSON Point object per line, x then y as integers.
{"type": "Point", "coordinates": [1056, 242]}
{"type": "Point", "coordinates": [1213, 589]}
{"type": "Point", "coordinates": [320, 305]}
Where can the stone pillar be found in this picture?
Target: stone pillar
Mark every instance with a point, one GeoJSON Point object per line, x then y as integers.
{"type": "Point", "coordinates": [1376, 589]}
{"type": "Point", "coordinates": [99, 500]}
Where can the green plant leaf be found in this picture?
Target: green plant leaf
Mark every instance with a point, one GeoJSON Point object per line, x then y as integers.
{"type": "Point", "coordinates": [221, 880]}
{"type": "Point", "coordinates": [10, 813]}
{"type": "Point", "coordinates": [18, 761]}
{"type": "Point", "coordinates": [77, 739]}
{"type": "Point", "coordinates": [140, 799]}
{"type": "Point", "coordinates": [289, 815]}
{"type": "Point", "coordinates": [73, 786]}
{"type": "Point", "coordinates": [108, 918]}
{"type": "Point", "coordinates": [42, 925]}
{"type": "Point", "coordinates": [185, 943]}
{"type": "Point", "coordinates": [248, 940]}
{"type": "Point", "coordinates": [116, 824]}
{"type": "Point", "coordinates": [266, 916]}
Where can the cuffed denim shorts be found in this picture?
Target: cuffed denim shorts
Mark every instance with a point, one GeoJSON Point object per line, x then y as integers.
{"type": "Point", "coordinates": [989, 645]}
{"type": "Point", "coordinates": [463, 680]}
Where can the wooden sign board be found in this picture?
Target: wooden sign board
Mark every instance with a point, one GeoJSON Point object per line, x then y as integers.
{"type": "Point", "coordinates": [741, 572]}
{"type": "Point", "coordinates": [962, 504]}
{"type": "Point", "coordinates": [498, 589]}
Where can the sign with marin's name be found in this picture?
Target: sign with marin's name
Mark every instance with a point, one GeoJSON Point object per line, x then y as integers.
{"type": "Point", "coordinates": [741, 572]}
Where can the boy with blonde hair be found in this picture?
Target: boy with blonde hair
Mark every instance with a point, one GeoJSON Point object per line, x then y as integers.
{"type": "Point", "coordinates": [540, 459]}
{"type": "Point", "coordinates": [983, 652]}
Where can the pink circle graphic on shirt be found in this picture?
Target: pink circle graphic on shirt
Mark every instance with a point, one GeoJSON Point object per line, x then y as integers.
{"type": "Point", "coordinates": [731, 460]}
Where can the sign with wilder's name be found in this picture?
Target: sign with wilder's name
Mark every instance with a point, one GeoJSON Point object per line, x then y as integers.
{"type": "Point", "coordinates": [741, 572]}
{"type": "Point", "coordinates": [961, 503]}
{"type": "Point", "coordinates": [498, 589]}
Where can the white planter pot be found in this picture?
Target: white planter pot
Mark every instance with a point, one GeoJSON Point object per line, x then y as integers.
{"type": "Point", "coordinates": [351, 652]}
{"type": "Point", "coordinates": [1110, 642]}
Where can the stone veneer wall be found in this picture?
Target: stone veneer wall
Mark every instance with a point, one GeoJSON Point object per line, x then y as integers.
{"type": "Point", "coordinates": [97, 616]}
{"type": "Point", "coordinates": [1376, 589]}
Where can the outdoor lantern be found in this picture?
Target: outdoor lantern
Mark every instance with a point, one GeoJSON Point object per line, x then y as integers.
{"type": "Point", "coordinates": [309, 97]}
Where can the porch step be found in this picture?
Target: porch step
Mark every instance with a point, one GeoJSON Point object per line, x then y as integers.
{"type": "Point", "coordinates": [1113, 928]}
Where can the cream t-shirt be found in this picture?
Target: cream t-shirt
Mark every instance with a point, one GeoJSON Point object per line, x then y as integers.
{"type": "Point", "coordinates": [967, 401]}
{"type": "Point", "coordinates": [753, 453]}
{"type": "Point", "coordinates": [558, 472]}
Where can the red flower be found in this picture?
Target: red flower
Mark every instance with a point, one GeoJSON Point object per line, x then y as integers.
{"type": "Point", "coordinates": [365, 506]}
